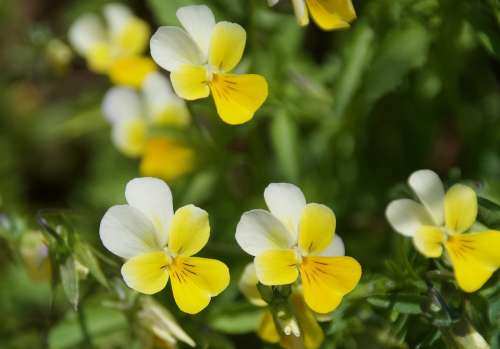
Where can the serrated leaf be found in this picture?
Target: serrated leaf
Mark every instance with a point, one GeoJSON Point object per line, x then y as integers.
{"type": "Point", "coordinates": [69, 280]}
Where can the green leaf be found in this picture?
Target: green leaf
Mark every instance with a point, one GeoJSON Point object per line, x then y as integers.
{"type": "Point", "coordinates": [86, 257]}
{"type": "Point", "coordinates": [243, 318]}
{"type": "Point", "coordinates": [488, 213]}
{"type": "Point", "coordinates": [284, 140]}
{"type": "Point", "coordinates": [401, 303]}
{"type": "Point", "coordinates": [69, 279]}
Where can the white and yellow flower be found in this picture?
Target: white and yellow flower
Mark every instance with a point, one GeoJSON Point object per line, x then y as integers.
{"type": "Point", "coordinates": [441, 220]}
{"type": "Point", "coordinates": [130, 115]}
{"type": "Point", "coordinates": [114, 48]}
{"type": "Point", "coordinates": [158, 244]}
{"type": "Point", "coordinates": [328, 14]}
{"type": "Point", "coordinates": [200, 56]}
{"type": "Point", "coordinates": [311, 333]}
{"type": "Point", "coordinates": [298, 238]}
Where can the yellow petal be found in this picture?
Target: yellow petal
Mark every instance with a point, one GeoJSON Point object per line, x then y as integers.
{"type": "Point", "coordinates": [237, 97]}
{"type": "Point", "coordinates": [146, 273]}
{"type": "Point", "coordinates": [166, 159]}
{"type": "Point", "coordinates": [189, 230]}
{"type": "Point", "coordinates": [460, 208]}
{"type": "Point", "coordinates": [311, 331]}
{"type": "Point", "coordinates": [129, 136]}
{"type": "Point", "coordinates": [131, 71]}
{"type": "Point", "coordinates": [248, 286]}
{"type": "Point", "coordinates": [267, 330]}
{"type": "Point", "coordinates": [99, 57]}
{"type": "Point", "coordinates": [276, 267]}
{"type": "Point", "coordinates": [327, 279]}
{"type": "Point", "coordinates": [226, 46]}
{"type": "Point", "coordinates": [134, 37]}
{"type": "Point", "coordinates": [174, 114]}
{"type": "Point", "coordinates": [331, 14]}
{"type": "Point", "coordinates": [190, 82]}
{"type": "Point", "coordinates": [195, 280]}
{"type": "Point", "coordinates": [475, 257]}
{"type": "Point", "coordinates": [316, 228]}
{"type": "Point", "coordinates": [428, 240]}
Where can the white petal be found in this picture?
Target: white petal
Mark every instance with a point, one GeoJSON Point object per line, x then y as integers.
{"type": "Point", "coordinates": [199, 21]}
{"type": "Point", "coordinates": [121, 103]}
{"type": "Point", "coordinates": [272, 2]}
{"type": "Point", "coordinates": [285, 201]}
{"type": "Point", "coordinates": [171, 47]}
{"type": "Point", "coordinates": [429, 189]}
{"type": "Point", "coordinates": [126, 232]}
{"type": "Point", "coordinates": [336, 248]}
{"type": "Point", "coordinates": [118, 16]}
{"type": "Point", "coordinates": [129, 136]}
{"type": "Point", "coordinates": [248, 286]}
{"type": "Point", "coordinates": [85, 32]}
{"type": "Point", "coordinates": [153, 198]}
{"type": "Point", "coordinates": [407, 216]}
{"type": "Point", "coordinates": [299, 7]}
{"type": "Point", "coordinates": [258, 231]}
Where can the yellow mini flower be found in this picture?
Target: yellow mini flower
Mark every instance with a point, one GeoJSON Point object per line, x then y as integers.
{"type": "Point", "coordinates": [115, 50]}
{"type": "Point", "coordinates": [158, 244]}
{"type": "Point", "coordinates": [311, 333]}
{"type": "Point", "coordinates": [298, 238]}
{"type": "Point", "coordinates": [200, 57]}
{"type": "Point", "coordinates": [441, 220]}
{"type": "Point", "coordinates": [130, 113]}
{"type": "Point", "coordinates": [328, 14]}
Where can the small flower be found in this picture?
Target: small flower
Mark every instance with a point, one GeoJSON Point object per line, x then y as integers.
{"type": "Point", "coordinates": [130, 114]}
{"type": "Point", "coordinates": [158, 244]}
{"type": "Point", "coordinates": [441, 220]}
{"type": "Point", "coordinates": [312, 334]}
{"type": "Point", "coordinates": [116, 49]}
{"type": "Point", "coordinates": [328, 14]}
{"type": "Point", "coordinates": [298, 238]}
{"type": "Point", "coordinates": [200, 57]}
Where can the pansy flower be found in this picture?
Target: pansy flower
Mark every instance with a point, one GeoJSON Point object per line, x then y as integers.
{"type": "Point", "coordinates": [200, 57]}
{"type": "Point", "coordinates": [328, 14]}
{"type": "Point", "coordinates": [294, 239]}
{"type": "Point", "coordinates": [440, 222]}
{"type": "Point", "coordinates": [130, 114]}
{"type": "Point", "coordinates": [311, 333]}
{"type": "Point", "coordinates": [159, 245]}
{"type": "Point", "coordinates": [113, 48]}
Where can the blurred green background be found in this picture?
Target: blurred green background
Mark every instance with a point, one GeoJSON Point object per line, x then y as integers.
{"type": "Point", "coordinates": [412, 84]}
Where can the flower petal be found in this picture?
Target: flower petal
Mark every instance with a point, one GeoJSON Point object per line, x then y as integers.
{"type": "Point", "coordinates": [172, 47]}
{"type": "Point", "coordinates": [195, 280]}
{"type": "Point", "coordinates": [327, 279]}
{"type": "Point", "coordinates": [126, 232]}
{"type": "Point", "coordinates": [331, 14]}
{"type": "Point", "coordinates": [131, 70]}
{"type": "Point", "coordinates": [272, 2]}
{"type": "Point", "coordinates": [428, 240]}
{"type": "Point", "coordinates": [430, 191]}
{"type": "Point", "coordinates": [199, 21]}
{"type": "Point", "coordinates": [190, 81]}
{"type": "Point", "coordinates": [226, 46]}
{"type": "Point", "coordinates": [286, 202]}
{"type": "Point", "coordinates": [406, 216]}
{"type": "Point", "coordinates": [277, 267]}
{"type": "Point", "coordinates": [153, 198]}
{"type": "Point", "coordinates": [460, 208]}
{"type": "Point", "coordinates": [300, 9]}
{"type": "Point", "coordinates": [248, 286]}
{"type": "Point", "coordinates": [334, 249]}
{"type": "Point", "coordinates": [313, 335]}
{"type": "Point", "coordinates": [146, 273]}
{"type": "Point", "coordinates": [259, 231]}
{"type": "Point", "coordinates": [129, 136]}
{"type": "Point", "coordinates": [474, 257]}
{"type": "Point", "coordinates": [237, 97]}
{"type": "Point", "coordinates": [163, 106]}
{"type": "Point", "coordinates": [267, 329]}
{"type": "Point", "coordinates": [121, 103]}
{"type": "Point", "coordinates": [316, 228]}
{"type": "Point", "coordinates": [189, 230]}
{"type": "Point", "coordinates": [85, 33]}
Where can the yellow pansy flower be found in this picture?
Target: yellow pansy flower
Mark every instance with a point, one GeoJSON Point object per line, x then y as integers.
{"type": "Point", "coordinates": [440, 219]}
{"type": "Point", "coordinates": [298, 238]}
{"type": "Point", "coordinates": [328, 14]}
{"type": "Point", "coordinates": [200, 56]}
{"type": "Point", "coordinates": [312, 334]}
{"type": "Point", "coordinates": [159, 244]}
{"type": "Point", "coordinates": [115, 49]}
{"type": "Point", "coordinates": [130, 113]}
